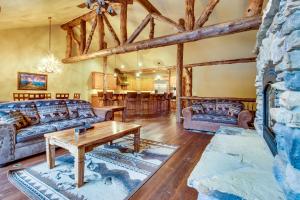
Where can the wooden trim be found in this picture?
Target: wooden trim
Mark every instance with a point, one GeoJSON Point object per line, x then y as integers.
{"type": "Point", "coordinates": [231, 27]}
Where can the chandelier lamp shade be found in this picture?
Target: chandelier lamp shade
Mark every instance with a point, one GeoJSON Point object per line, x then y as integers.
{"type": "Point", "coordinates": [49, 63]}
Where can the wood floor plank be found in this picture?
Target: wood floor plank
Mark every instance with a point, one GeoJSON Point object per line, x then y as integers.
{"type": "Point", "coordinates": [169, 182]}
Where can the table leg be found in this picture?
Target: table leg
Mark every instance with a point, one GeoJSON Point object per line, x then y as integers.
{"type": "Point", "coordinates": [79, 167]}
{"type": "Point", "coordinates": [137, 141]}
{"type": "Point", "coordinates": [50, 154]}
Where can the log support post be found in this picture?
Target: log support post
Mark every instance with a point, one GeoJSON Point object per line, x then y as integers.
{"type": "Point", "coordinates": [189, 14]}
{"type": "Point", "coordinates": [123, 22]}
{"type": "Point", "coordinates": [152, 28]}
{"type": "Point", "coordinates": [105, 65]}
{"type": "Point", "coordinates": [179, 77]}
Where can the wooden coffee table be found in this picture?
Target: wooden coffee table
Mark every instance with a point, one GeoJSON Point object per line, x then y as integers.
{"type": "Point", "coordinates": [79, 145]}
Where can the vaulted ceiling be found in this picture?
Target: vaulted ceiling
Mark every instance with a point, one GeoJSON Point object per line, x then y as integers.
{"type": "Point", "coordinates": [32, 13]}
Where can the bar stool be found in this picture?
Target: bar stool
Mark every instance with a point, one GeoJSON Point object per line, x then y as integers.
{"type": "Point", "coordinates": [101, 98]}
{"type": "Point", "coordinates": [145, 103]}
{"type": "Point", "coordinates": [108, 99]}
{"type": "Point", "coordinates": [131, 104]}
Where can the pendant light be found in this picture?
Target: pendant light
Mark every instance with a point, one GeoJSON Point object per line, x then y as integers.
{"type": "Point", "coordinates": [50, 64]}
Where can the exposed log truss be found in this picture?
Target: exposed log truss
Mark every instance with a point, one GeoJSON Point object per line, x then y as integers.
{"type": "Point", "coordinates": [188, 30]}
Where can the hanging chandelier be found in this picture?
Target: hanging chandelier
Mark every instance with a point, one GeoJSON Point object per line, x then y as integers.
{"type": "Point", "coordinates": [50, 64]}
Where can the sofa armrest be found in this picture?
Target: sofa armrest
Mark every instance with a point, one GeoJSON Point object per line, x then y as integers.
{"type": "Point", "coordinates": [187, 113]}
{"type": "Point", "coordinates": [7, 143]}
{"type": "Point", "coordinates": [244, 118]}
{"type": "Point", "coordinates": [104, 112]}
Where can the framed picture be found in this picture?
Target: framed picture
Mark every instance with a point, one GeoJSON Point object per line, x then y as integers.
{"type": "Point", "coordinates": [31, 81]}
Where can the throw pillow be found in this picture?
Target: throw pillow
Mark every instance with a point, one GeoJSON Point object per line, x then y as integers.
{"type": "Point", "coordinates": [86, 113]}
{"type": "Point", "coordinates": [234, 111]}
{"type": "Point", "coordinates": [198, 108]}
{"type": "Point", "coordinates": [15, 118]}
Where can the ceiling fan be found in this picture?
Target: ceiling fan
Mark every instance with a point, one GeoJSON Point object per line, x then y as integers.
{"type": "Point", "coordinates": [100, 6]}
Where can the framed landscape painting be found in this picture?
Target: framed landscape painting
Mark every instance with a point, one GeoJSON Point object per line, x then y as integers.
{"type": "Point", "coordinates": [31, 81]}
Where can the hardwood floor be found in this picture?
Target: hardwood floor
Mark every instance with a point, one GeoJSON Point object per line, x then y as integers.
{"type": "Point", "coordinates": [170, 182]}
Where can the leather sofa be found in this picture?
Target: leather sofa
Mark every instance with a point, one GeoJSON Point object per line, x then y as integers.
{"type": "Point", "coordinates": [44, 116]}
{"type": "Point", "coordinates": [209, 115]}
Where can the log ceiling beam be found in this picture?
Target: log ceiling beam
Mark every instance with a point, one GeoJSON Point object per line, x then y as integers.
{"type": "Point", "coordinates": [254, 8]}
{"type": "Point", "coordinates": [111, 30]}
{"type": "Point", "coordinates": [189, 14]}
{"type": "Point", "coordinates": [217, 30]}
{"type": "Point", "coordinates": [75, 22]}
{"type": "Point", "coordinates": [149, 6]}
{"type": "Point", "coordinates": [168, 21]}
{"type": "Point", "coordinates": [188, 67]}
{"type": "Point", "coordinates": [139, 29]}
{"type": "Point", "coordinates": [206, 13]}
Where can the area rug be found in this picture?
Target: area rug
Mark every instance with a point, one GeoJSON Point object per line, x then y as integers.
{"type": "Point", "coordinates": [112, 172]}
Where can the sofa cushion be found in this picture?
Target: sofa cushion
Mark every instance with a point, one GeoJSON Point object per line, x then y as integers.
{"type": "Point", "coordinates": [215, 118]}
{"type": "Point", "coordinates": [86, 113]}
{"type": "Point", "coordinates": [73, 106]}
{"type": "Point", "coordinates": [67, 124]}
{"type": "Point", "coordinates": [198, 108]}
{"type": "Point", "coordinates": [93, 120]}
{"type": "Point", "coordinates": [52, 110]}
{"type": "Point", "coordinates": [16, 118]}
{"type": "Point", "coordinates": [223, 107]}
{"type": "Point", "coordinates": [34, 132]}
{"type": "Point", "coordinates": [27, 108]}
{"type": "Point", "coordinates": [235, 109]}
{"type": "Point", "coordinates": [209, 106]}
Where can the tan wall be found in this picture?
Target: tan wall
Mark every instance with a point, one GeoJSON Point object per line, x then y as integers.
{"type": "Point", "coordinates": [21, 51]}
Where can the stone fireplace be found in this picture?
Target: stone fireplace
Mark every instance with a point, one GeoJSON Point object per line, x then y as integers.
{"type": "Point", "coordinates": [278, 90]}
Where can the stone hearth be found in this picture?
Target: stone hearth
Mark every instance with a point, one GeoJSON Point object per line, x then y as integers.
{"type": "Point", "coordinates": [278, 48]}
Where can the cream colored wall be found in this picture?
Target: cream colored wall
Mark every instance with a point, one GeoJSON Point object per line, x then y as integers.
{"type": "Point", "coordinates": [21, 50]}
